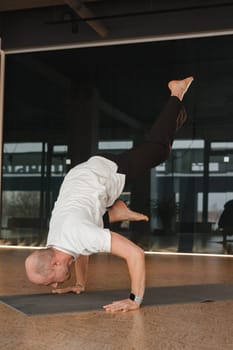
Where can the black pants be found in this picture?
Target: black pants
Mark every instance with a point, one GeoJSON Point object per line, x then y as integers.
{"type": "Point", "coordinates": [156, 147]}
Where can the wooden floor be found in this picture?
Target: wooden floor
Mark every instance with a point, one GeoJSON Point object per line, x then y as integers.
{"type": "Point", "coordinates": [175, 327]}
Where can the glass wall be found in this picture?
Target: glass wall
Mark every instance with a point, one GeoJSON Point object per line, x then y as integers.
{"type": "Point", "coordinates": [105, 99]}
{"type": "Point", "coordinates": [32, 174]}
{"type": "Point", "coordinates": [189, 228]}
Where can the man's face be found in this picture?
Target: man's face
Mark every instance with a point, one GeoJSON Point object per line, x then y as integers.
{"type": "Point", "coordinates": [60, 274]}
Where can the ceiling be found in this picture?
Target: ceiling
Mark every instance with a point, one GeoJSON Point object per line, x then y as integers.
{"type": "Point", "coordinates": [161, 40]}
{"type": "Point", "coordinates": [29, 24]}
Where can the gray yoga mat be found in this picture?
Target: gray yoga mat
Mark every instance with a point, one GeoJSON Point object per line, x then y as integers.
{"type": "Point", "coordinates": [38, 304]}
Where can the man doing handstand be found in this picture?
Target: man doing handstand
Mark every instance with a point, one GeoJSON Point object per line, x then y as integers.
{"type": "Point", "coordinates": [76, 227]}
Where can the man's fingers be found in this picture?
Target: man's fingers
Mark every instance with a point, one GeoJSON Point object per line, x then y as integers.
{"type": "Point", "coordinates": [62, 290]}
{"type": "Point", "coordinates": [121, 305]}
{"type": "Point", "coordinates": [73, 289]}
{"type": "Point", "coordinates": [118, 307]}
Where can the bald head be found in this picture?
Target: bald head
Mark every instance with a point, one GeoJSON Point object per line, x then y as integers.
{"type": "Point", "coordinates": [38, 265]}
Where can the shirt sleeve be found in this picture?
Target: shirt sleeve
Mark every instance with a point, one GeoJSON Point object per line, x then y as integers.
{"type": "Point", "coordinates": [84, 238]}
{"type": "Point", "coordinates": [94, 239]}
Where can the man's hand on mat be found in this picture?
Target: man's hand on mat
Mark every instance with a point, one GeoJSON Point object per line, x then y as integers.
{"type": "Point", "coordinates": [122, 305]}
{"type": "Point", "coordinates": [74, 289]}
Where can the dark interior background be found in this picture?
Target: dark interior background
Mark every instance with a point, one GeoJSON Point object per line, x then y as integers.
{"type": "Point", "coordinates": [125, 83]}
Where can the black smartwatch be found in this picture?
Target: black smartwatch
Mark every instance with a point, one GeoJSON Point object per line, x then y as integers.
{"type": "Point", "coordinates": [135, 298]}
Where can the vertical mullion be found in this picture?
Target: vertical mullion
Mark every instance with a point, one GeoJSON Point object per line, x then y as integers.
{"type": "Point", "coordinates": [2, 74]}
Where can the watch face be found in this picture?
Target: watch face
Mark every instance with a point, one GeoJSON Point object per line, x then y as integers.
{"type": "Point", "coordinates": [135, 298]}
{"type": "Point", "coordinates": [132, 296]}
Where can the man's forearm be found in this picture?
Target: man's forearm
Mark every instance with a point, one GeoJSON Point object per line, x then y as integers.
{"type": "Point", "coordinates": [135, 259]}
{"type": "Point", "coordinates": [81, 269]}
{"type": "Point", "coordinates": [136, 266]}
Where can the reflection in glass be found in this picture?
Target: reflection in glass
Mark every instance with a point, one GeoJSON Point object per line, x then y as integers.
{"type": "Point", "coordinates": [126, 87]}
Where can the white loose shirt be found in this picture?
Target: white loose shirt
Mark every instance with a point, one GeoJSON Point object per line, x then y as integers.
{"type": "Point", "coordinates": [76, 224]}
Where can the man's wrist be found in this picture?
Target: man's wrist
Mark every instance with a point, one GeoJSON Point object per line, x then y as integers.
{"type": "Point", "coordinates": [135, 298]}
{"type": "Point", "coordinates": [78, 284]}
